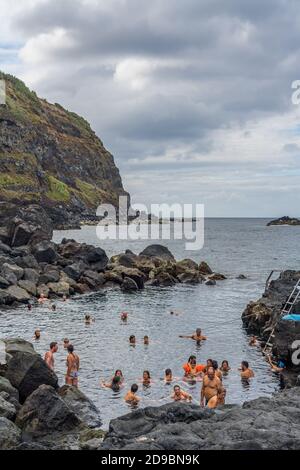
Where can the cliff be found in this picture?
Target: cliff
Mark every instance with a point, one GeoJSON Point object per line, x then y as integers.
{"type": "Point", "coordinates": [51, 157]}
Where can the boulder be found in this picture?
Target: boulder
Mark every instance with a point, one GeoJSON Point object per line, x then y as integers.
{"type": "Point", "coordinates": [22, 234]}
{"type": "Point", "coordinates": [217, 277]}
{"type": "Point", "coordinates": [4, 283]}
{"type": "Point", "coordinates": [129, 285]}
{"type": "Point", "coordinates": [49, 276]}
{"type": "Point", "coordinates": [190, 277]}
{"type": "Point", "coordinates": [7, 409]}
{"type": "Point", "coordinates": [17, 294]}
{"type": "Point", "coordinates": [6, 386]}
{"type": "Point", "coordinates": [109, 276]}
{"type": "Point", "coordinates": [27, 261]}
{"type": "Point", "coordinates": [133, 273]}
{"type": "Point", "coordinates": [44, 413]}
{"type": "Point", "coordinates": [165, 279]}
{"type": "Point", "coordinates": [5, 297]}
{"type": "Point", "coordinates": [158, 251]}
{"type": "Point", "coordinates": [210, 282]}
{"type": "Point", "coordinates": [83, 408]}
{"type": "Point", "coordinates": [204, 268]}
{"type": "Point", "coordinates": [59, 288]}
{"type": "Point", "coordinates": [97, 277]}
{"type": "Point", "coordinates": [31, 275]}
{"type": "Point", "coordinates": [26, 370]}
{"type": "Point", "coordinates": [87, 253]}
{"type": "Point", "coordinates": [8, 269]}
{"type": "Point", "coordinates": [29, 286]}
{"type": "Point", "coordinates": [43, 290]}
{"type": "Point", "coordinates": [10, 435]}
{"type": "Point", "coordinates": [186, 265]}
{"type": "Point", "coordinates": [44, 252]}
{"type": "Point", "coordinates": [75, 270]}
{"type": "Point", "coordinates": [127, 260]}
{"type": "Point", "coordinates": [4, 248]}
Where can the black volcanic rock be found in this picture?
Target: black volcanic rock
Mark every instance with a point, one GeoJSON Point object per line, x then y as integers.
{"type": "Point", "coordinates": [284, 221]}
{"type": "Point", "coordinates": [158, 251]}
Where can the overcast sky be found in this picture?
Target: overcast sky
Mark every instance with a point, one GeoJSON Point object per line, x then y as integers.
{"type": "Point", "coordinates": [192, 97]}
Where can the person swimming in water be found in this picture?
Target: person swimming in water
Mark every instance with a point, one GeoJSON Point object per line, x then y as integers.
{"type": "Point", "coordinates": [217, 400]}
{"type": "Point", "coordinates": [246, 372]}
{"type": "Point", "coordinates": [73, 364]}
{"type": "Point", "coordinates": [37, 335]}
{"type": "Point", "coordinates": [124, 316]}
{"type": "Point", "coordinates": [29, 306]}
{"type": "Point", "coordinates": [118, 378]}
{"type": "Point", "coordinates": [146, 340]}
{"type": "Point", "coordinates": [193, 370]}
{"type": "Point", "coordinates": [66, 343]}
{"type": "Point", "coordinates": [253, 341]}
{"type": "Point", "coordinates": [209, 363]}
{"type": "Point", "coordinates": [168, 376]}
{"type": "Point", "coordinates": [132, 340]}
{"type": "Point", "coordinates": [197, 336]}
{"type": "Point", "coordinates": [88, 319]}
{"type": "Point", "coordinates": [180, 395]}
{"type": "Point", "coordinates": [146, 378]}
{"type": "Point", "coordinates": [53, 308]}
{"type": "Point", "coordinates": [225, 367]}
{"type": "Point", "coordinates": [131, 396]}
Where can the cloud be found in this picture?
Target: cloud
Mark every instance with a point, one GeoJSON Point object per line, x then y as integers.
{"type": "Point", "coordinates": [193, 97]}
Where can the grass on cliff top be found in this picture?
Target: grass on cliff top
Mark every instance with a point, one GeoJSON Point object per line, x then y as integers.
{"type": "Point", "coordinates": [58, 191]}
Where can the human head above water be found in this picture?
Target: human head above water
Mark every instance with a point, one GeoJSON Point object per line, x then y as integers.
{"type": "Point", "coordinates": [245, 365]}
{"type": "Point", "coordinates": [134, 388]}
{"type": "Point", "coordinates": [53, 346]}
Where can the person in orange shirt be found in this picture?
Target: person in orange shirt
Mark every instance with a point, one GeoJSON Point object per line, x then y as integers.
{"type": "Point", "coordinates": [192, 369]}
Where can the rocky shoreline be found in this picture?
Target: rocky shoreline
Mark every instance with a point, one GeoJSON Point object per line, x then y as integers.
{"type": "Point", "coordinates": [32, 265]}
{"type": "Point", "coordinates": [284, 221]}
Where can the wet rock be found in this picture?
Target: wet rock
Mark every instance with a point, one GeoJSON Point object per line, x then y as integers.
{"type": "Point", "coordinates": [6, 386]}
{"type": "Point", "coordinates": [10, 435]}
{"type": "Point", "coordinates": [8, 269]}
{"type": "Point", "coordinates": [49, 276]}
{"type": "Point", "coordinates": [7, 409]}
{"type": "Point", "coordinates": [186, 265]}
{"type": "Point", "coordinates": [4, 283]}
{"type": "Point", "coordinates": [241, 276]}
{"type": "Point", "coordinates": [59, 288]}
{"type": "Point", "coordinates": [17, 294]}
{"type": "Point", "coordinates": [26, 370]}
{"type": "Point", "coordinates": [98, 278]}
{"type": "Point", "coordinates": [31, 275]}
{"type": "Point", "coordinates": [84, 408]}
{"type": "Point", "coordinates": [44, 252]}
{"type": "Point", "coordinates": [204, 268]}
{"type": "Point", "coordinates": [43, 290]}
{"type": "Point", "coordinates": [165, 279]}
{"type": "Point", "coordinates": [5, 248]}
{"type": "Point", "coordinates": [217, 277]}
{"type": "Point", "coordinates": [129, 285]}
{"type": "Point", "coordinates": [5, 298]}
{"type": "Point", "coordinates": [75, 270]}
{"type": "Point", "coordinates": [137, 276]}
{"type": "Point", "coordinates": [190, 277]}
{"type": "Point", "coordinates": [29, 286]}
{"type": "Point", "coordinates": [27, 261]}
{"type": "Point", "coordinates": [158, 251]}
{"type": "Point", "coordinates": [210, 282]}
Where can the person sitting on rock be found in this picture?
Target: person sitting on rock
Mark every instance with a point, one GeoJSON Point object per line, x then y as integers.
{"type": "Point", "coordinates": [225, 367]}
{"type": "Point", "coordinates": [246, 372]}
{"type": "Point", "coordinates": [217, 400]}
{"type": "Point", "coordinates": [211, 386]}
{"type": "Point", "coordinates": [73, 364]}
{"type": "Point", "coordinates": [181, 395]}
{"type": "Point", "coordinates": [132, 340]}
{"type": "Point", "coordinates": [193, 370]}
{"type": "Point", "coordinates": [197, 336]}
{"type": "Point", "coordinates": [253, 341]}
{"type": "Point", "coordinates": [49, 356]}
{"type": "Point", "coordinates": [131, 396]}
{"type": "Point", "coordinates": [278, 366]}
{"type": "Point", "coordinates": [37, 335]}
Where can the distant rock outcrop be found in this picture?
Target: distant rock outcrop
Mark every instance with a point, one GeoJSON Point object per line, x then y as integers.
{"type": "Point", "coordinates": [52, 158]}
{"type": "Point", "coordinates": [284, 221]}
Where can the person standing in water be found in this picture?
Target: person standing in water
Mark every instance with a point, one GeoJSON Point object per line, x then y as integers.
{"type": "Point", "coordinates": [73, 364]}
{"type": "Point", "coordinates": [181, 395]}
{"type": "Point", "coordinates": [246, 372]}
{"type": "Point", "coordinates": [131, 396]}
{"type": "Point", "coordinates": [217, 400]}
{"type": "Point", "coordinates": [49, 356]}
{"type": "Point", "coordinates": [211, 386]}
{"type": "Point", "coordinates": [197, 336]}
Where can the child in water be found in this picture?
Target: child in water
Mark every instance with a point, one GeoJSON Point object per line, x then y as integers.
{"type": "Point", "coordinates": [131, 397]}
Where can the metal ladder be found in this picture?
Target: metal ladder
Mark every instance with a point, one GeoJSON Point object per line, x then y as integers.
{"type": "Point", "coordinates": [294, 296]}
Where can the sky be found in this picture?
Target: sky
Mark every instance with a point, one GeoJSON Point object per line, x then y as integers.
{"type": "Point", "coordinates": [193, 98]}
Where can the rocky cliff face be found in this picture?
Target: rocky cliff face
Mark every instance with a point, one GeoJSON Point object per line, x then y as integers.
{"type": "Point", "coordinates": [51, 157]}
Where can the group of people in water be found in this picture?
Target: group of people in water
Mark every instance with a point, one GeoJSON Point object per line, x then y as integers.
{"type": "Point", "coordinates": [213, 391]}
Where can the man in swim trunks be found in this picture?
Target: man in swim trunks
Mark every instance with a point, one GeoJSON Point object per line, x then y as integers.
{"type": "Point", "coordinates": [217, 400]}
{"type": "Point", "coordinates": [246, 372]}
{"type": "Point", "coordinates": [278, 366]}
{"type": "Point", "coordinates": [131, 396]}
{"type": "Point", "coordinates": [49, 356]}
{"type": "Point", "coordinates": [197, 336]}
{"type": "Point", "coordinates": [192, 369]}
{"type": "Point", "coordinates": [180, 395]}
{"type": "Point", "coordinates": [211, 386]}
{"type": "Point", "coordinates": [73, 364]}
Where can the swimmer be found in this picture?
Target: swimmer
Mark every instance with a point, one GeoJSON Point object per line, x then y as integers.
{"type": "Point", "coordinates": [131, 396]}
{"type": "Point", "coordinates": [124, 316]}
{"type": "Point", "coordinates": [168, 376]}
{"type": "Point", "coordinates": [117, 378]}
{"type": "Point", "coordinates": [217, 400]}
{"type": "Point", "coordinates": [132, 340]}
{"type": "Point", "coordinates": [53, 308]}
{"type": "Point", "coordinates": [146, 378]}
{"type": "Point", "coordinates": [73, 363]}
{"type": "Point", "coordinates": [278, 366]}
{"type": "Point", "coordinates": [174, 313]}
{"type": "Point", "coordinates": [180, 395]}
{"type": "Point", "coordinates": [49, 356]}
{"type": "Point", "coordinates": [253, 341]}
{"type": "Point", "coordinates": [211, 386]}
{"type": "Point", "coordinates": [29, 307]}
{"type": "Point", "coordinates": [197, 336]}
{"type": "Point", "coordinates": [88, 319]}
{"type": "Point", "coordinates": [192, 369]}
{"type": "Point", "coordinates": [225, 367]}
{"type": "Point", "coordinates": [37, 335]}
{"type": "Point", "coordinates": [66, 343]}
{"type": "Point", "coordinates": [115, 384]}
{"type": "Point", "coordinates": [42, 299]}
{"type": "Point", "coordinates": [209, 363]}
{"type": "Point", "coordinates": [246, 372]}
{"type": "Point", "coordinates": [146, 340]}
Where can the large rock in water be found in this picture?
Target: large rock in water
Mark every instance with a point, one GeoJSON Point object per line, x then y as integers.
{"type": "Point", "coordinates": [10, 435]}
{"type": "Point", "coordinates": [84, 408]}
{"type": "Point", "coordinates": [264, 423]}
{"type": "Point", "coordinates": [44, 252]}
{"type": "Point", "coordinates": [158, 251]}
{"type": "Point", "coordinates": [26, 370]}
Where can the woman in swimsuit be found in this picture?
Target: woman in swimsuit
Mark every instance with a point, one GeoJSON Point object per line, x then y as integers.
{"type": "Point", "coordinates": [73, 364]}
